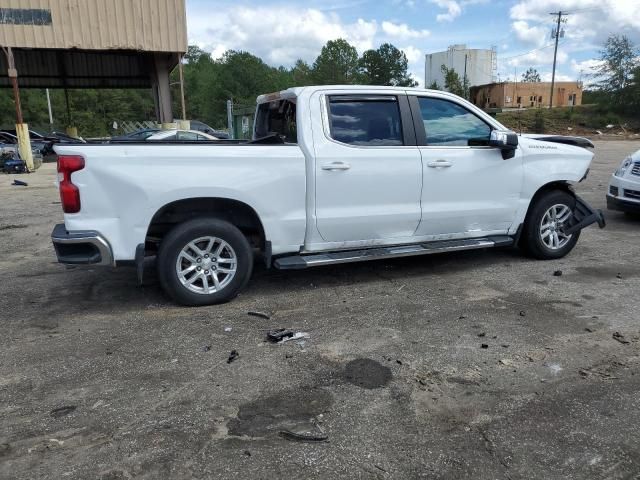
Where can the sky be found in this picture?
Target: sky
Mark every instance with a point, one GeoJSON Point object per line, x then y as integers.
{"type": "Point", "coordinates": [280, 32]}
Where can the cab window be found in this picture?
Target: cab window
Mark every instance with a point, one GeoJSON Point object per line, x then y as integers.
{"type": "Point", "coordinates": [365, 121]}
{"type": "Point", "coordinates": [449, 124]}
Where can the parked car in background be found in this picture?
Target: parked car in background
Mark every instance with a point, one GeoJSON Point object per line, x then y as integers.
{"type": "Point", "coordinates": [173, 135]}
{"type": "Point", "coordinates": [334, 174]}
{"type": "Point", "coordinates": [141, 134]}
{"type": "Point", "coordinates": [37, 146]}
{"type": "Point", "coordinates": [203, 127]}
{"type": "Point", "coordinates": [10, 162]}
{"type": "Point", "coordinates": [624, 186]}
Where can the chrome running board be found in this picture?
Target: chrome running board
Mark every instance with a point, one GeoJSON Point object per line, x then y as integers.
{"type": "Point", "coordinates": [296, 262]}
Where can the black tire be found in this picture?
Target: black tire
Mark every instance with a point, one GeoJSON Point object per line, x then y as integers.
{"type": "Point", "coordinates": [184, 233]}
{"type": "Point", "coordinates": [531, 240]}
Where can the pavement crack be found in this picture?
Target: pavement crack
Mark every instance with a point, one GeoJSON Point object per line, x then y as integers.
{"type": "Point", "coordinates": [492, 450]}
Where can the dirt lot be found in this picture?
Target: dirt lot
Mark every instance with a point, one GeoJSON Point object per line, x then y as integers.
{"type": "Point", "coordinates": [102, 378]}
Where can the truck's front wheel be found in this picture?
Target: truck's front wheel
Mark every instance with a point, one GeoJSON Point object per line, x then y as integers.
{"type": "Point", "coordinates": [543, 236]}
{"type": "Point", "coordinates": [204, 261]}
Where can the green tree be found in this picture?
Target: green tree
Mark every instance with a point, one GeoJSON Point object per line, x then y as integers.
{"type": "Point", "coordinates": [531, 75]}
{"type": "Point", "coordinates": [301, 74]}
{"type": "Point", "coordinates": [434, 86]}
{"type": "Point", "coordinates": [453, 83]}
{"type": "Point", "coordinates": [337, 64]}
{"type": "Point", "coordinates": [619, 59]}
{"type": "Point", "coordinates": [386, 65]}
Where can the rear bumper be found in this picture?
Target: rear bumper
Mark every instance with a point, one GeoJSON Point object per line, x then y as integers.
{"type": "Point", "coordinates": [614, 203]}
{"type": "Point", "coordinates": [81, 247]}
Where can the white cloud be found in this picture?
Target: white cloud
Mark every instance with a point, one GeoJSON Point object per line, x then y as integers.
{"type": "Point", "coordinates": [537, 58]}
{"type": "Point", "coordinates": [530, 35]}
{"type": "Point", "coordinates": [413, 54]}
{"type": "Point", "coordinates": [453, 8]}
{"type": "Point", "coordinates": [402, 31]}
{"type": "Point", "coordinates": [588, 24]}
{"type": "Point", "coordinates": [278, 35]}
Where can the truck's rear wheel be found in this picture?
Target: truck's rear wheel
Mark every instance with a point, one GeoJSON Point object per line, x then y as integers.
{"type": "Point", "coordinates": [543, 236]}
{"type": "Point", "coordinates": [204, 261]}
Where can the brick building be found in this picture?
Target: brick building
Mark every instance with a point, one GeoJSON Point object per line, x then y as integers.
{"type": "Point", "coordinates": [526, 94]}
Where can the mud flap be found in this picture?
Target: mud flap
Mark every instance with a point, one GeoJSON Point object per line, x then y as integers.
{"type": "Point", "coordinates": [583, 216]}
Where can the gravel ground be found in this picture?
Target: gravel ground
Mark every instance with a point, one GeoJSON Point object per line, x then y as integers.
{"type": "Point", "coordinates": [466, 365]}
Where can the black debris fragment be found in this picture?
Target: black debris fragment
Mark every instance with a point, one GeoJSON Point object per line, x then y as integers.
{"type": "Point", "coordinates": [587, 329]}
{"type": "Point", "coordinates": [619, 276]}
{"type": "Point", "coordinates": [266, 316]}
{"type": "Point", "coordinates": [484, 345]}
{"type": "Point", "coordinates": [20, 183]}
{"type": "Point", "coordinates": [303, 437]}
{"type": "Point", "coordinates": [62, 411]}
{"type": "Point", "coordinates": [462, 317]}
{"type": "Point", "coordinates": [483, 334]}
{"type": "Point", "coordinates": [557, 273]}
{"type": "Point", "coordinates": [278, 334]}
{"type": "Point", "coordinates": [206, 348]}
{"type": "Point", "coordinates": [247, 453]}
{"type": "Point", "coordinates": [399, 362]}
{"type": "Point", "coordinates": [523, 313]}
{"type": "Point", "coordinates": [620, 338]}
{"type": "Point", "coordinates": [232, 356]}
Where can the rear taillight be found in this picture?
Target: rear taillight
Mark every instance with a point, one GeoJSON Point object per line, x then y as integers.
{"type": "Point", "coordinates": [69, 193]}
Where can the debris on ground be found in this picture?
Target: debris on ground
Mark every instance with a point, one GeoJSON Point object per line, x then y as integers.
{"type": "Point", "coordinates": [247, 453]}
{"type": "Point", "coordinates": [266, 316]}
{"type": "Point", "coordinates": [307, 436]}
{"type": "Point", "coordinates": [232, 356]}
{"type": "Point", "coordinates": [523, 313]}
{"type": "Point", "coordinates": [206, 348]}
{"type": "Point", "coordinates": [483, 334]}
{"type": "Point", "coordinates": [62, 411]}
{"type": "Point", "coordinates": [484, 345]}
{"type": "Point", "coordinates": [557, 273]}
{"type": "Point", "coordinates": [20, 183]}
{"type": "Point", "coordinates": [296, 336]}
{"type": "Point", "coordinates": [278, 334]}
{"type": "Point", "coordinates": [507, 362]}
{"type": "Point", "coordinates": [227, 329]}
{"type": "Point", "coordinates": [620, 338]}
{"type": "Point", "coordinates": [587, 329]}
{"type": "Point", "coordinates": [619, 276]}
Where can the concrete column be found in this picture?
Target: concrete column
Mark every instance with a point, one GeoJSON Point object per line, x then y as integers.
{"type": "Point", "coordinates": [24, 145]}
{"type": "Point", "coordinates": [162, 90]}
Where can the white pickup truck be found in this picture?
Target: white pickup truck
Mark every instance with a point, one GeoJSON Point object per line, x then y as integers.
{"type": "Point", "coordinates": [333, 174]}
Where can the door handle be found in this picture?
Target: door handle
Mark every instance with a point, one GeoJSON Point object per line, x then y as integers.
{"type": "Point", "coordinates": [336, 166]}
{"type": "Point", "coordinates": [440, 164]}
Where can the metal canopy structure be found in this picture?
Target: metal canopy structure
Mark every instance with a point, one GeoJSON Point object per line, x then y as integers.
{"type": "Point", "coordinates": [95, 44]}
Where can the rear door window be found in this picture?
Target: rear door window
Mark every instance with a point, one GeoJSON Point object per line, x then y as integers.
{"type": "Point", "coordinates": [371, 121]}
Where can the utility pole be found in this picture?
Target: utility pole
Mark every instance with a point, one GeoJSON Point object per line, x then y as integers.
{"type": "Point", "coordinates": [22, 129]}
{"type": "Point", "coordinates": [557, 35]}
{"type": "Point", "coordinates": [50, 112]}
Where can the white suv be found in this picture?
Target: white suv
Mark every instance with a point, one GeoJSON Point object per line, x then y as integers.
{"type": "Point", "coordinates": [624, 187]}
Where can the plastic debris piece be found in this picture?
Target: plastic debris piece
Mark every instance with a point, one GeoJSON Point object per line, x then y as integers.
{"type": "Point", "coordinates": [304, 437]}
{"type": "Point", "coordinates": [617, 336]}
{"type": "Point", "coordinates": [296, 336]}
{"type": "Point", "coordinates": [484, 345]}
{"type": "Point", "coordinates": [278, 334]}
{"type": "Point", "coordinates": [266, 316]}
{"type": "Point", "coordinates": [232, 356]}
{"type": "Point", "coordinates": [62, 411]}
{"type": "Point", "coordinates": [227, 329]}
{"type": "Point", "coordinates": [20, 183]}
{"type": "Point", "coordinates": [557, 273]}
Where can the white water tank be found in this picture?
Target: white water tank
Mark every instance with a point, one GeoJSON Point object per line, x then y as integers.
{"type": "Point", "coordinates": [479, 64]}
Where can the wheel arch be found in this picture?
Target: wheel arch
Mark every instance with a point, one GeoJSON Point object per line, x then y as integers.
{"type": "Point", "coordinates": [236, 212]}
{"type": "Point", "coordinates": [561, 185]}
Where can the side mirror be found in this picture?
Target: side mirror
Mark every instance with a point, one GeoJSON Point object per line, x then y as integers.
{"type": "Point", "coordinates": [505, 141]}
